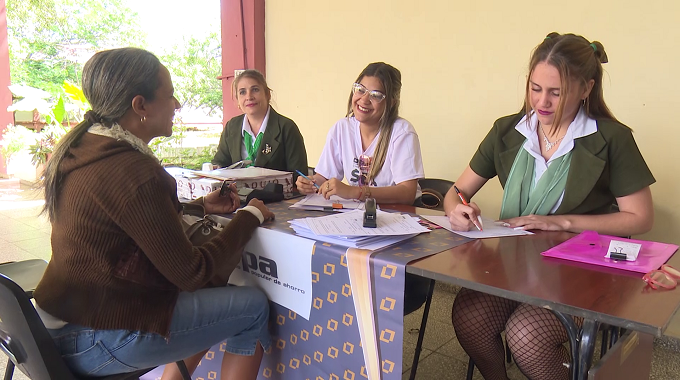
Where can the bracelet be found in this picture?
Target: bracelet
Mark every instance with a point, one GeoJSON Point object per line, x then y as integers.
{"type": "Point", "coordinates": [361, 193]}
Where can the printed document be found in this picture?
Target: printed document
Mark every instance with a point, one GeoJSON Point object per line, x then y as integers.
{"type": "Point", "coordinates": [491, 228]}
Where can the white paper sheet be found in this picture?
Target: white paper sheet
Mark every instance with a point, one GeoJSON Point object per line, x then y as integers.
{"type": "Point", "coordinates": [491, 228]}
{"type": "Point", "coordinates": [319, 203]}
{"type": "Point", "coordinates": [351, 224]}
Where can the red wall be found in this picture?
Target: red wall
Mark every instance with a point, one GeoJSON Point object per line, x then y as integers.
{"type": "Point", "coordinates": [239, 52]}
{"type": "Point", "coordinates": [5, 94]}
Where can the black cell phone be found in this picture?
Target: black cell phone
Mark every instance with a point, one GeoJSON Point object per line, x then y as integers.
{"type": "Point", "coordinates": [370, 214]}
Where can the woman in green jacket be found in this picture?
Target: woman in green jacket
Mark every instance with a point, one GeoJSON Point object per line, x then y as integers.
{"type": "Point", "coordinates": [261, 135]}
{"type": "Point", "coordinates": [563, 161]}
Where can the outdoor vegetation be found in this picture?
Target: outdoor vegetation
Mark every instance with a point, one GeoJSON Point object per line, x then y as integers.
{"type": "Point", "coordinates": [50, 41]}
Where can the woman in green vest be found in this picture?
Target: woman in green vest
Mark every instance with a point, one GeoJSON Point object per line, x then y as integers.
{"type": "Point", "coordinates": [563, 162]}
{"type": "Point", "coordinates": [261, 135]}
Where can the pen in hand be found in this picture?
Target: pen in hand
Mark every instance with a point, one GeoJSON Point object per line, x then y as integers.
{"type": "Point", "coordinates": [307, 178]}
{"type": "Point", "coordinates": [225, 188]}
{"type": "Point", "coordinates": [478, 222]}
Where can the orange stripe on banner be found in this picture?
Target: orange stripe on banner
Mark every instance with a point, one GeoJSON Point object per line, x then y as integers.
{"type": "Point", "coordinates": [358, 266]}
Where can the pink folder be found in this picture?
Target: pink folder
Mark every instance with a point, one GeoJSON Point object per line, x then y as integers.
{"type": "Point", "coordinates": [590, 247]}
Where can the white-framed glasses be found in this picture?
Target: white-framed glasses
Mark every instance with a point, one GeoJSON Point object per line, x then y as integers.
{"type": "Point", "coordinates": [375, 95]}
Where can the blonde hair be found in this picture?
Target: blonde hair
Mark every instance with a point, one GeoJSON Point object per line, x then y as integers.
{"type": "Point", "coordinates": [575, 59]}
{"type": "Point", "coordinates": [390, 78]}
{"type": "Point", "coordinates": [252, 74]}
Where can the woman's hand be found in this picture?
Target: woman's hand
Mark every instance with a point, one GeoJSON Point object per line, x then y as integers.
{"type": "Point", "coordinates": [305, 186]}
{"type": "Point", "coordinates": [539, 222]}
{"type": "Point", "coordinates": [226, 204]}
{"type": "Point", "coordinates": [335, 187]}
{"type": "Point", "coordinates": [268, 215]}
{"type": "Point", "coordinates": [461, 216]}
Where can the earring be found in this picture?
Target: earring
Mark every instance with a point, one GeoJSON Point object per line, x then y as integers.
{"type": "Point", "coordinates": [143, 119]}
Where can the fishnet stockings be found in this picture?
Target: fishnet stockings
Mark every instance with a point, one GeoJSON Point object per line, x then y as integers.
{"type": "Point", "coordinates": [479, 319]}
{"type": "Point", "coordinates": [536, 339]}
{"type": "Point", "coordinates": [535, 336]}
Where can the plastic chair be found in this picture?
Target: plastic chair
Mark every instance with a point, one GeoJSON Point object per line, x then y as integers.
{"type": "Point", "coordinates": [434, 190]}
{"type": "Point", "coordinates": [25, 340]}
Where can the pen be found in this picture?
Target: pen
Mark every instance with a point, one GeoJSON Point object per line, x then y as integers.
{"type": "Point", "coordinates": [478, 222]}
{"type": "Point", "coordinates": [225, 188]}
{"type": "Point", "coordinates": [307, 178]}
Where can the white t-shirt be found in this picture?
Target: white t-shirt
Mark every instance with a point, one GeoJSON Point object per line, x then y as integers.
{"type": "Point", "coordinates": [340, 155]}
{"type": "Point", "coordinates": [581, 126]}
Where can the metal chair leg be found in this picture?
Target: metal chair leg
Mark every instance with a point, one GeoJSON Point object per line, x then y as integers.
{"type": "Point", "coordinates": [586, 347]}
{"type": "Point", "coordinates": [508, 354]}
{"type": "Point", "coordinates": [573, 333]}
{"type": "Point", "coordinates": [421, 333]}
{"type": "Point", "coordinates": [9, 370]}
{"type": "Point", "coordinates": [614, 336]}
{"type": "Point", "coordinates": [604, 346]}
{"type": "Point", "coordinates": [471, 369]}
{"type": "Point", "coordinates": [183, 370]}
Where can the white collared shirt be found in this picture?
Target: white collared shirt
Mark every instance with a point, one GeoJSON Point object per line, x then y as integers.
{"type": "Point", "coordinates": [247, 129]}
{"type": "Point", "coordinates": [581, 126]}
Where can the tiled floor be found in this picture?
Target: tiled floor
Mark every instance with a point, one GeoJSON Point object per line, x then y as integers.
{"type": "Point", "coordinates": [26, 235]}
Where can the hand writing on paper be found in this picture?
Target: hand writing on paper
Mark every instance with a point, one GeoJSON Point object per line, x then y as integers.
{"type": "Point", "coordinates": [335, 187]}
{"type": "Point", "coordinates": [538, 222]}
{"type": "Point", "coordinates": [305, 186]}
{"type": "Point", "coordinates": [461, 216]}
{"type": "Point", "coordinates": [216, 204]}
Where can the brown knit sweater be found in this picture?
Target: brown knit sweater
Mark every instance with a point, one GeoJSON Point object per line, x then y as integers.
{"type": "Point", "coordinates": [119, 254]}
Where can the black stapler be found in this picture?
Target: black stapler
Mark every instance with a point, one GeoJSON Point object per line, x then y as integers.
{"type": "Point", "coordinates": [370, 214]}
{"type": "Point", "coordinates": [272, 192]}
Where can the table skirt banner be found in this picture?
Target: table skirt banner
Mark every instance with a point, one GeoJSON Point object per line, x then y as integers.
{"type": "Point", "coordinates": [355, 326]}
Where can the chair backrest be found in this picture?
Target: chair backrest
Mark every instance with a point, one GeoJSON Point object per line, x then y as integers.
{"type": "Point", "coordinates": [24, 338]}
{"type": "Point", "coordinates": [434, 190]}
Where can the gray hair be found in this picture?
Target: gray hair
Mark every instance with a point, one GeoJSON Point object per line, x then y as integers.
{"type": "Point", "coordinates": [111, 79]}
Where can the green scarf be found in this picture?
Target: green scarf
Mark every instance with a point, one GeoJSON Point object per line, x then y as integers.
{"type": "Point", "coordinates": [251, 148]}
{"type": "Point", "coordinates": [521, 197]}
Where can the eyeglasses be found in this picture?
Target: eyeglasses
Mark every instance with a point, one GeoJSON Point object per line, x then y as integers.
{"type": "Point", "coordinates": [667, 277]}
{"type": "Point", "coordinates": [375, 95]}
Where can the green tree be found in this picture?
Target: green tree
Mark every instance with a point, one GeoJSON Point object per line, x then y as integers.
{"type": "Point", "coordinates": [195, 65]}
{"type": "Point", "coordinates": [50, 39]}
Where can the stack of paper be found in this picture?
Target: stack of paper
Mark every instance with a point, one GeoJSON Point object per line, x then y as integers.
{"type": "Point", "coordinates": [347, 229]}
{"type": "Point", "coordinates": [318, 203]}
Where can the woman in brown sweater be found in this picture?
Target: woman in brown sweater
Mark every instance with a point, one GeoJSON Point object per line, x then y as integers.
{"type": "Point", "coordinates": [125, 288]}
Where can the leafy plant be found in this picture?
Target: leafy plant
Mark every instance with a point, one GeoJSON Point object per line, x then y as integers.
{"type": "Point", "coordinates": [50, 40]}
{"type": "Point", "coordinates": [47, 140]}
{"type": "Point", "coordinates": [171, 152]}
{"type": "Point", "coordinates": [15, 139]}
{"type": "Point", "coordinates": [195, 64]}
{"type": "Point", "coordinates": [53, 115]}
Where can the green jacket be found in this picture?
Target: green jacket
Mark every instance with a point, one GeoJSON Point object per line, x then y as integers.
{"type": "Point", "coordinates": [282, 146]}
{"type": "Point", "coordinates": [604, 165]}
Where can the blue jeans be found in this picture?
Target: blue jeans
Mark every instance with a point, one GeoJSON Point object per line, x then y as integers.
{"type": "Point", "coordinates": [200, 320]}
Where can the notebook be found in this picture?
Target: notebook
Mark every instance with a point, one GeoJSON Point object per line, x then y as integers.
{"type": "Point", "coordinates": [590, 247]}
